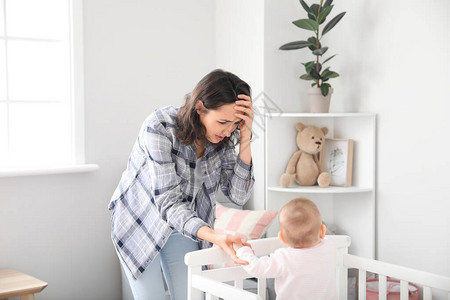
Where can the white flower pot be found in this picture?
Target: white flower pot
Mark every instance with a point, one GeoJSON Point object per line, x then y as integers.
{"type": "Point", "coordinates": [317, 102]}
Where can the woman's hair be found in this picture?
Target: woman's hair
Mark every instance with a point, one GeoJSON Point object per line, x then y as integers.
{"type": "Point", "coordinates": [214, 90]}
{"type": "Point", "coordinates": [300, 223]}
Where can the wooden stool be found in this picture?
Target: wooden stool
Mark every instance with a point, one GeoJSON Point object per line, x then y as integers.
{"type": "Point", "coordinates": [13, 284]}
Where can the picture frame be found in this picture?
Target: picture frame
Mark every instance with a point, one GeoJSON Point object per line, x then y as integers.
{"type": "Point", "coordinates": [336, 158]}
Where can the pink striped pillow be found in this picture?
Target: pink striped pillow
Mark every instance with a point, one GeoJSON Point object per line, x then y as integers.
{"type": "Point", "coordinates": [249, 223]}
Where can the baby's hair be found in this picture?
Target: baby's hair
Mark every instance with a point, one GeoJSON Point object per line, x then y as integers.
{"type": "Point", "coordinates": [300, 223]}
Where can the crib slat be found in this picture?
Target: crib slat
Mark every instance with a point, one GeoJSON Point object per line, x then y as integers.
{"type": "Point", "coordinates": [192, 292]}
{"type": "Point", "coordinates": [427, 293]}
{"type": "Point", "coordinates": [262, 288]}
{"type": "Point", "coordinates": [404, 291]}
{"type": "Point", "coordinates": [211, 297]}
{"type": "Point", "coordinates": [239, 284]}
{"type": "Point", "coordinates": [220, 289]}
{"type": "Point", "coordinates": [362, 285]}
{"type": "Point", "coordinates": [382, 289]}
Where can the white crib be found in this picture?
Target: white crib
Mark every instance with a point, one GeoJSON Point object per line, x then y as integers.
{"type": "Point", "coordinates": [212, 281]}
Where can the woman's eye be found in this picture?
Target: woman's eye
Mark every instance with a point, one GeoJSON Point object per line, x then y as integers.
{"type": "Point", "coordinates": [312, 137]}
{"type": "Point", "coordinates": [223, 123]}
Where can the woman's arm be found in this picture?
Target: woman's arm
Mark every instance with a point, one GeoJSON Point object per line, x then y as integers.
{"type": "Point", "coordinates": [244, 110]}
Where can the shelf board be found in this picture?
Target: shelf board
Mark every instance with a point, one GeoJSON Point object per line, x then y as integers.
{"type": "Point", "coordinates": [315, 115]}
{"type": "Point", "coordinates": [319, 190]}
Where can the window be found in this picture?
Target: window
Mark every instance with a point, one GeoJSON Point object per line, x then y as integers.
{"type": "Point", "coordinates": [41, 83]}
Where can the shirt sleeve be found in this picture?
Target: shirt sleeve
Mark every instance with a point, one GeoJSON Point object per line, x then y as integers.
{"type": "Point", "coordinates": [266, 266]}
{"type": "Point", "coordinates": [236, 178]}
{"type": "Point", "coordinates": [168, 197]}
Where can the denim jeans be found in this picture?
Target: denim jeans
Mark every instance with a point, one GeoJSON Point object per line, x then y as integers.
{"type": "Point", "coordinates": [170, 259]}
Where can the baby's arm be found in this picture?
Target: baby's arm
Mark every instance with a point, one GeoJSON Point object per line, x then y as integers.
{"type": "Point", "coordinates": [266, 266]}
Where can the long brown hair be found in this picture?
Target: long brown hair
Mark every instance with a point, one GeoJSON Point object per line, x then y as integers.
{"type": "Point", "coordinates": [214, 90]}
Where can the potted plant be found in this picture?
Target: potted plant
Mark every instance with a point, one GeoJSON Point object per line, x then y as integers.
{"type": "Point", "coordinates": [320, 90]}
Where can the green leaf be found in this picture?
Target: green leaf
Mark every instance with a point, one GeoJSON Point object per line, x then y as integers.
{"type": "Point", "coordinates": [305, 6]}
{"type": "Point", "coordinates": [320, 52]}
{"type": "Point", "coordinates": [307, 24]}
{"type": "Point", "coordinates": [313, 41]}
{"type": "Point", "coordinates": [325, 72]}
{"type": "Point", "coordinates": [327, 3]}
{"type": "Point", "coordinates": [312, 85]}
{"type": "Point", "coordinates": [308, 66]}
{"type": "Point", "coordinates": [315, 10]}
{"type": "Point", "coordinates": [332, 23]}
{"type": "Point", "coordinates": [328, 59]}
{"type": "Point", "coordinates": [314, 74]}
{"type": "Point", "coordinates": [324, 89]}
{"type": "Point", "coordinates": [312, 65]}
{"type": "Point", "coordinates": [323, 14]}
{"type": "Point", "coordinates": [306, 77]}
{"type": "Point", "coordinates": [311, 16]}
{"type": "Point", "coordinates": [329, 75]}
{"type": "Point", "coordinates": [295, 45]}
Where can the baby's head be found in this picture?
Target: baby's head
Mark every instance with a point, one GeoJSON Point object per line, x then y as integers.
{"type": "Point", "coordinates": [301, 224]}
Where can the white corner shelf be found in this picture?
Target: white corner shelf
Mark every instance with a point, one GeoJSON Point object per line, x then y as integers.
{"type": "Point", "coordinates": [319, 190]}
{"type": "Point", "coordinates": [350, 209]}
{"type": "Point", "coordinates": [317, 115]}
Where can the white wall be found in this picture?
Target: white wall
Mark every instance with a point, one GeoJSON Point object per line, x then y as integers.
{"type": "Point", "coordinates": [394, 60]}
{"type": "Point", "coordinates": [240, 50]}
{"type": "Point", "coordinates": [407, 58]}
{"type": "Point", "coordinates": [139, 55]}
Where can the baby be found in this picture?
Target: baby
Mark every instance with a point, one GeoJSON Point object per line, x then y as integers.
{"type": "Point", "coordinates": [304, 270]}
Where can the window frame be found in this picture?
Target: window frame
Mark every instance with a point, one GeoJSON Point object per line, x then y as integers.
{"type": "Point", "coordinates": [77, 156]}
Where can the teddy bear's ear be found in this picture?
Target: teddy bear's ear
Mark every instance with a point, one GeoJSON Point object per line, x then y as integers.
{"type": "Point", "coordinates": [324, 130]}
{"type": "Point", "coordinates": [300, 126]}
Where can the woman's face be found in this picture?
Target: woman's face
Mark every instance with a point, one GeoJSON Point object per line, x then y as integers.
{"type": "Point", "coordinates": [220, 122]}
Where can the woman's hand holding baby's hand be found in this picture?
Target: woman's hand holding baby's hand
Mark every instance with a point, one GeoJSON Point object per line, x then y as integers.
{"type": "Point", "coordinates": [227, 242]}
{"type": "Point", "coordinates": [224, 241]}
{"type": "Point", "coordinates": [237, 246]}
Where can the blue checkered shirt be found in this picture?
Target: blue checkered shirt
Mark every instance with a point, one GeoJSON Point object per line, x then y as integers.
{"type": "Point", "coordinates": [155, 192]}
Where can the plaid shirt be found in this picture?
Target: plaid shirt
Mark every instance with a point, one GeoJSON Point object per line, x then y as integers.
{"type": "Point", "coordinates": [155, 193]}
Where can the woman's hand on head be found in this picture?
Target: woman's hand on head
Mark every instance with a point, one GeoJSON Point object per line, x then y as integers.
{"type": "Point", "coordinates": [244, 110]}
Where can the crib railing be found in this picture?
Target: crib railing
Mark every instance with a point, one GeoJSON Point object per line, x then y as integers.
{"type": "Point", "coordinates": [212, 281]}
{"type": "Point", "coordinates": [427, 280]}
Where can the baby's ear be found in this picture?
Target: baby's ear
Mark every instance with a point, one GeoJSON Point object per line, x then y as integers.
{"type": "Point", "coordinates": [323, 230]}
{"type": "Point", "coordinates": [281, 237]}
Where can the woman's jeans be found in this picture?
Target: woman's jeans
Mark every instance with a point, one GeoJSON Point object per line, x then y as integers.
{"type": "Point", "coordinates": [171, 260]}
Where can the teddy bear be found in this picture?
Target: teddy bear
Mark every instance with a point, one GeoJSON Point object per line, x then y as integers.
{"type": "Point", "coordinates": [303, 167]}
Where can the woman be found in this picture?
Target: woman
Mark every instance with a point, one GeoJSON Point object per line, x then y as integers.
{"type": "Point", "coordinates": [164, 205]}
